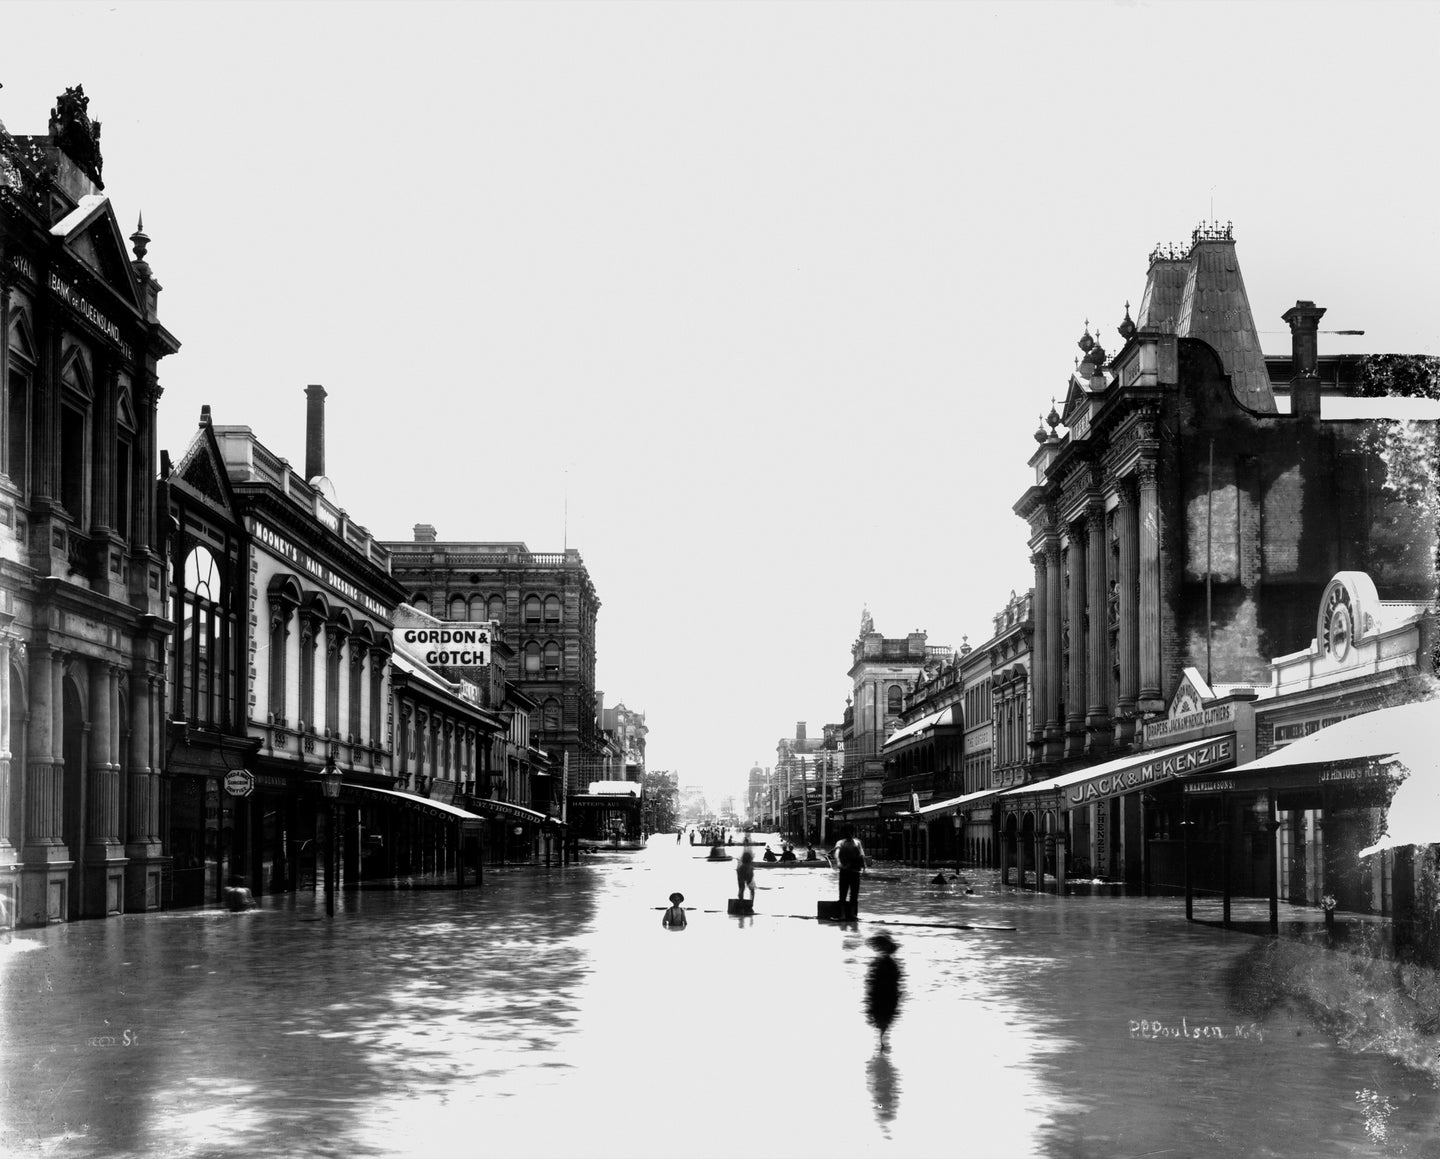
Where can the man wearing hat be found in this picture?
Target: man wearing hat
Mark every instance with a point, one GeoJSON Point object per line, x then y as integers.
{"type": "Point", "coordinates": [674, 918]}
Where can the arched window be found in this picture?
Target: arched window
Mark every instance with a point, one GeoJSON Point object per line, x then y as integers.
{"type": "Point", "coordinates": [552, 661]}
{"type": "Point", "coordinates": [477, 608]}
{"type": "Point", "coordinates": [457, 608]}
{"type": "Point", "coordinates": [552, 715]}
{"type": "Point", "coordinates": [532, 609]}
{"type": "Point", "coordinates": [532, 660]}
{"type": "Point", "coordinates": [420, 602]}
{"type": "Point", "coordinates": [894, 699]}
{"type": "Point", "coordinates": [552, 609]}
{"type": "Point", "coordinates": [497, 609]}
{"type": "Point", "coordinates": [202, 632]}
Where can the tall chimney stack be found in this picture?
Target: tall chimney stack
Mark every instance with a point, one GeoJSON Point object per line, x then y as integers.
{"type": "Point", "coordinates": [1304, 320]}
{"type": "Point", "coordinates": [314, 431]}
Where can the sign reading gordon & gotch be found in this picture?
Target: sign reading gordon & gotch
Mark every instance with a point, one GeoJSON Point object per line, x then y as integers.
{"type": "Point", "coordinates": [451, 645]}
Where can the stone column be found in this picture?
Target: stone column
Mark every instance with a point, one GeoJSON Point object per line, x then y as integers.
{"type": "Point", "coordinates": [1041, 679]}
{"type": "Point", "coordinates": [1129, 590]}
{"type": "Point", "coordinates": [1149, 553]}
{"type": "Point", "coordinates": [1075, 694]}
{"type": "Point", "coordinates": [1097, 642]}
{"type": "Point", "coordinates": [7, 850]}
{"type": "Point", "coordinates": [1049, 715]}
{"type": "Point", "coordinates": [104, 853]}
{"type": "Point", "coordinates": [144, 846]}
{"type": "Point", "coordinates": [46, 859]}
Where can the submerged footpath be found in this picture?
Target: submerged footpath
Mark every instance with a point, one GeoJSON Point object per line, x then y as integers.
{"type": "Point", "coordinates": [1369, 1003]}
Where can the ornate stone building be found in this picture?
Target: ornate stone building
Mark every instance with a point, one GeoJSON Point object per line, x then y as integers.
{"type": "Point", "coordinates": [545, 607]}
{"type": "Point", "coordinates": [1180, 517]}
{"type": "Point", "coordinates": [83, 609]}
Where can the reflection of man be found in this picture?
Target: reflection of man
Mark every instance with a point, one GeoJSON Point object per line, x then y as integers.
{"type": "Point", "coordinates": [850, 857]}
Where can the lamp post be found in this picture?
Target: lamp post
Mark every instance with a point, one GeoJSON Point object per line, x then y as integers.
{"type": "Point", "coordinates": [330, 778]}
{"type": "Point", "coordinates": [958, 819]}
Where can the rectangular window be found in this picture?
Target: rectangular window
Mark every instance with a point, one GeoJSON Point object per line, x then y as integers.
{"type": "Point", "coordinates": [72, 462]}
{"type": "Point", "coordinates": [122, 489]}
{"type": "Point", "coordinates": [18, 417]}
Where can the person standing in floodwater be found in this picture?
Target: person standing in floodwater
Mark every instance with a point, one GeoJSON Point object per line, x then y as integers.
{"type": "Point", "coordinates": [850, 857]}
{"type": "Point", "coordinates": [745, 876]}
{"type": "Point", "coordinates": [674, 918]}
{"type": "Point", "coordinates": [882, 985]}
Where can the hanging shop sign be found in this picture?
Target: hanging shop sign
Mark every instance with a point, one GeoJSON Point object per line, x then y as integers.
{"type": "Point", "coordinates": [1210, 754]}
{"type": "Point", "coordinates": [239, 783]}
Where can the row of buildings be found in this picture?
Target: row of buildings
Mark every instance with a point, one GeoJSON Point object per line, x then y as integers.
{"type": "Point", "coordinates": [210, 672]}
{"type": "Point", "coordinates": [1231, 551]}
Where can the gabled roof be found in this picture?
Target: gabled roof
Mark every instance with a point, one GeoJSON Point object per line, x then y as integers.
{"type": "Point", "coordinates": [201, 472]}
{"type": "Point", "coordinates": [92, 236]}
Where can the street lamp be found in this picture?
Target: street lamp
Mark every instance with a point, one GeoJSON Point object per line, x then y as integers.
{"type": "Point", "coordinates": [330, 778]}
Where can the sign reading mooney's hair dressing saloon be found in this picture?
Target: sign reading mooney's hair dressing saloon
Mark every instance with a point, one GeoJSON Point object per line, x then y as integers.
{"type": "Point", "coordinates": [1215, 753]}
{"type": "Point", "coordinates": [451, 645]}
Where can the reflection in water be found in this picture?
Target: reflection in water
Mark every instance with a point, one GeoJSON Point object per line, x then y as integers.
{"type": "Point", "coordinates": [550, 1014]}
{"type": "Point", "coordinates": [884, 1086]}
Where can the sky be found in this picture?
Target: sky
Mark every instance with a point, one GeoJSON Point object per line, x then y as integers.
{"type": "Point", "coordinates": [755, 305]}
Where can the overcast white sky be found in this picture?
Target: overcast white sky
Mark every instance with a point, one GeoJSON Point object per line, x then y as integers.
{"type": "Point", "coordinates": [776, 292]}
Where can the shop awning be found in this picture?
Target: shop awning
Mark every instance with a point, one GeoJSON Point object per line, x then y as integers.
{"type": "Point", "coordinates": [921, 728]}
{"type": "Point", "coordinates": [448, 812]}
{"type": "Point", "coordinates": [954, 805]}
{"type": "Point", "coordinates": [1136, 771]}
{"type": "Point", "coordinates": [1408, 732]}
{"type": "Point", "coordinates": [516, 812]}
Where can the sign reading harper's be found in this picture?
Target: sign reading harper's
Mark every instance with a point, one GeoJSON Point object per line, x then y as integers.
{"type": "Point", "coordinates": [1208, 754]}
{"type": "Point", "coordinates": [451, 645]}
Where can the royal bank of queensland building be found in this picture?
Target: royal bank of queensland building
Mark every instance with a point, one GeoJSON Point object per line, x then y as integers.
{"type": "Point", "coordinates": [83, 614]}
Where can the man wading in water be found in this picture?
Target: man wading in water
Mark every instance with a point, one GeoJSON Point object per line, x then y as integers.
{"type": "Point", "coordinates": [850, 857]}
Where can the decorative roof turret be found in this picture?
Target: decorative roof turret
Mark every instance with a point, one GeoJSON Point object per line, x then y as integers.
{"type": "Point", "coordinates": [140, 242]}
{"type": "Point", "coordinates": [1127, 327]}
{"type": "Point", "coordinates": [1040, 435]}
{"type": "Point", "coordinates": [1086, 342]}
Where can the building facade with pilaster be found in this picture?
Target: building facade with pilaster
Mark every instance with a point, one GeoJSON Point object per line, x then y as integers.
{"type": "Point", "coordinates": [1180, 518]}
{"type": "Point", "coordinates": [83, 607]}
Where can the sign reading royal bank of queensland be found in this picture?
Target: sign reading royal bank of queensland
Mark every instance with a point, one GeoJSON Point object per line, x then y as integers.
{"type": "Point", "coordinates": [450, 645]}
{"type": "Point", "coordinates": [1212, 754]}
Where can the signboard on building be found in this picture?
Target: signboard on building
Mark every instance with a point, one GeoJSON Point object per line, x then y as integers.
{"type": "Point", "coordinates": [1217, 753]}
{"type": "Point", "coordinates": [239, 783]}
{"type": "Point", "coordinates": [1188, 715]}
{"type": "Point", "coordinates": [451, 644]}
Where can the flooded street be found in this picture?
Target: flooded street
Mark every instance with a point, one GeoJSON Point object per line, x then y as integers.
{"type": "Point", "coordinates": [549, 1013]}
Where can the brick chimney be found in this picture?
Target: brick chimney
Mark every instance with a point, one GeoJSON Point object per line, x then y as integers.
{"type": "Point", "coordinates": [800, 732]}
{"type": "Point", "coordinates": [425, 533]}
{"type": "Point", "coordinates": [1304, 320]}
{"type": "Point", "coordinates": [314, 431]}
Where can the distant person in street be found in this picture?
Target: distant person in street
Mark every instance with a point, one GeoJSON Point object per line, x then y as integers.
{"type": "Point", "coordinates": [745, 876]}
{"type": "Point", "coordinates": [882, 985]}
{"type": "Point", "coordinates": [674, 918]}
{"type": "Point", "coordinates": [679, 833]}
{"type": "Point", "coordinates": [850, 857]}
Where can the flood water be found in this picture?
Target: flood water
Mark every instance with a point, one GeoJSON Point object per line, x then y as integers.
{"type": "Point", "coordinates": [549, 1013]}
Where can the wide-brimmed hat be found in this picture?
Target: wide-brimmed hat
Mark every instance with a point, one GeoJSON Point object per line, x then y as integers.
{"type": "Point", "coordinates": [676, 898]}
{"type": "Point", "coordinates": [882, 942]}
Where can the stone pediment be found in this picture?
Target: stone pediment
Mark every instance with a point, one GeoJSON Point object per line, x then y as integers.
{"type": "Point", "coordinates": [201, 471]}
{"type": "Point", "coordinates": [92, 236]}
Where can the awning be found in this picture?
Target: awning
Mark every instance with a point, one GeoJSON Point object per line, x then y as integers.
{"type": "Point", "coordinates": [1136, 771]}
{"type": "Point", "coordinates": [516, 812]}
{"type": "Point", "coordinates": [946, 716]}
{"type": "Point", "coordinates": [954, 804]}
{"type": "Point", "coordinates": [448, 812]}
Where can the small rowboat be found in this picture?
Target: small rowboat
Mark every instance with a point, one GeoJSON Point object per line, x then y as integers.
{"type": "Point", "coordinates": [798, 863]}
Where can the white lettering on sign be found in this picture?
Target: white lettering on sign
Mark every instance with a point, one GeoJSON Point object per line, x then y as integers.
{"type": "Point", "coordinates": [72, 298]}
{"type": "Point", "coordinates": [282, 546]}
{"type": "Point", "coordinates": [1203, 756]}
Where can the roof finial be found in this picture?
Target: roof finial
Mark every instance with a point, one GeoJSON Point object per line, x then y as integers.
{"type": "Point", "coordinates": [1085, 340]}
{"type": "Point", "coordinates": [140, 240]}
{"type": "Point", "coordinates": [1127, 327]}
